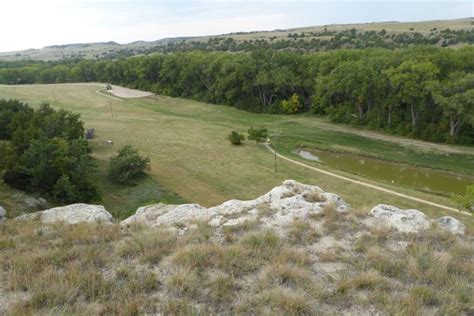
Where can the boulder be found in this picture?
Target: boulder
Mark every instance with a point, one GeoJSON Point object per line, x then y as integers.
{"type": "Point", "coordinates": [277, 208]}
{"type": "Point", "coordinates": [3, 214]}
{"type": "Point", "coordinates": [451, 224]}
{"type": "Point", "coordinates": [413, 221]}
{"type": "Point", "coordinates": [72, 214]}
{"type": "Point", "coordinates": [407, 221]}
{"type": "Point", "coordinates": [164, 214]}
{"type": "Point", "coordinates": [30, 202]}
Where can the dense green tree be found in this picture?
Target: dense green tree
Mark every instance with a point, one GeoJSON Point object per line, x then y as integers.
{"type": "Point", "coordinates": [44, 151]}
{"type": "Point", "coordinates": [456, 97]}
{"type": "Point", "coordinates": [411, 81]}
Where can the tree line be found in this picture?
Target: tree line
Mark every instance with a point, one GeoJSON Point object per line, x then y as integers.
{"type": "Point", "coordinates": [421, 92]}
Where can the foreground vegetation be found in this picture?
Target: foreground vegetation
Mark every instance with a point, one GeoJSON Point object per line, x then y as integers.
{"type": "Point", "coordinates": [189, 153]}
{"type": "Point", "coordinates": [420, 92]}
{"type": "Point", "coordinates": [330, 263]}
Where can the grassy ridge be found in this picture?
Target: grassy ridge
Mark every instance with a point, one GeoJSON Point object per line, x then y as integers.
{"type": "Point", "coordinates": [186, 141]}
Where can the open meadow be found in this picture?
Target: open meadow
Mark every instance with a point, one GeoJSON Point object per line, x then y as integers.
{"type": "Point", "coordinates": [190, 155]}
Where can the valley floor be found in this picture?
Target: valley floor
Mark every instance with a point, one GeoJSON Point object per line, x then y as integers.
{"type": "Point", "coordinates": [186, 141]}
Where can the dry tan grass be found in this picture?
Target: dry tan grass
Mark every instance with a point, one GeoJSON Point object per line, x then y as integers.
{"type": "Point", "coordinates": [301, 232]}
{"type": "Point", "coordinates": [314, 196]}
{"type": "Point", "coordinates": [106, 269]}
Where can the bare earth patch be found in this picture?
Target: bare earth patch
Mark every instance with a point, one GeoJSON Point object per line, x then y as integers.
{"type": "Point", "coordinates": [127, 93]}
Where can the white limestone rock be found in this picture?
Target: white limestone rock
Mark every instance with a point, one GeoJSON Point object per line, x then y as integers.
{"type": "Point", "coordinates": [451, 224]}
{"type": "Point", "coordinates": [3, 214]}
{"type": "Point", "coordinates": [163, 214]}
{"type": "Point", "coordinates": [72, 214]}
{"type": "Point", "coordinates": [413, 221]}
{"type": "Point", "coordinates": [407, 221]}
{"type": "Point", "coordinates": [277, 208]}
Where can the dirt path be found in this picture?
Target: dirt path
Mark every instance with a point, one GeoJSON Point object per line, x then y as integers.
{"type": "Point", "coordinates": [375, 187]}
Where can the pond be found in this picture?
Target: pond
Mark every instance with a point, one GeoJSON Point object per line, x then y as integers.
{"type": "Point", "coordinates": [419, 178]}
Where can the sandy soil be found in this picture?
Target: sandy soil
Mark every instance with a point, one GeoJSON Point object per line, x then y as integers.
{"type": "Point", "coordinates": [127, 93]}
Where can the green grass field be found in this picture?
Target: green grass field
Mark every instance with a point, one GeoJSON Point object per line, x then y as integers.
{"type": "Point", "coordinates": [186, 141]}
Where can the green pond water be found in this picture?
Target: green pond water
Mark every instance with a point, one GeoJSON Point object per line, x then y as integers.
{"type": "Point", "coordinates": [419, 178]}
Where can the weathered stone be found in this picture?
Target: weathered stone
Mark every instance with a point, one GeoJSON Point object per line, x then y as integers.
{"type": "Point", "coordinates": [3, 214]}
{"type": "Point", "coordinates": [35, 203]}
{"type": "Point", "coordinates": [163, 214]}
{"type": "Point", "coordinates": [451, 224]}
{"type": "Point", "coordinates": [277, 208]}
{"type": "Point", "coordinates": [408, 221]}
{"type": "Point", "coordinates": [72, 214]}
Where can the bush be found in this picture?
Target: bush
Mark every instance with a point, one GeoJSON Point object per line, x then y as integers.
{"type": "Point", "coordinates": [292, 105]}
{"type": "Point", "coordinates": [128, 166]}
{"type": "Point", "coordinates": [257, 134]}
{"type": "Point", "coordinates": [235, 138]}
{"type": "Point", "coordinates": [466, 201]}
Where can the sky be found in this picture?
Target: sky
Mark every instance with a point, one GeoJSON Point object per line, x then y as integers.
{"type": "Point", "coordinates": [37, 23]}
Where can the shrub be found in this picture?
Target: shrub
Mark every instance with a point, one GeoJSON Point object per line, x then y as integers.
{"type": "Point", "coordinates": [257, 134]}
{"type": "Point", "coordinates": [292, 105]}
{"type": "Point", "coordinates": [466, 201]}
{"type": "Point", "coordinates": [128, 166]}
{"type": "Point", "coordinates": [235, 138]}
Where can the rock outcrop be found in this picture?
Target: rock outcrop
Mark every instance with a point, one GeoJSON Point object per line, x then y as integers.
{"type": "Point", "coordinates": [72, 214]}
{"type": "Point", "coordinates": [451, 224]}
{"type": "Point", "coordinates": [407, 221]}
{"type": "Point", "coordinates": [3, 214]}
{"type": "Point", "coordinates": [413, 221]}
{"type": "Point", "coordinates": [277, 208]}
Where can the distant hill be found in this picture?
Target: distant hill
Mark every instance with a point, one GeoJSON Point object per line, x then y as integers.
{"type": "Point", "coordinates": [85, 50]}
{"type": "Point", "coordinates": [392, 34]}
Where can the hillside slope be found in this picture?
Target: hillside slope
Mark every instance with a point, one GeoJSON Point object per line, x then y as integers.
{"type": "Point", "coordinates": [409, 30]}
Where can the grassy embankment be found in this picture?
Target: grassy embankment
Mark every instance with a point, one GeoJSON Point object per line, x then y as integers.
{"type": "Point", "coordinates": [186, 141]}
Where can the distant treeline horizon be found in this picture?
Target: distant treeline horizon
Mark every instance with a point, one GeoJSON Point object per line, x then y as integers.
{"type": "Point", "coordinates": [421, 92]}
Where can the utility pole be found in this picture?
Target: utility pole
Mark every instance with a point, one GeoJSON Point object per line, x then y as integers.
{"type": "Point", "coordinates": [54, 97]}
{"type": "Point", "coordinates": [275, 134]}
{"type": "Point", "coordinates": [111, 112]}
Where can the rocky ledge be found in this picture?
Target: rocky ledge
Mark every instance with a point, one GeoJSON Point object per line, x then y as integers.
{"type": "Point", "coordinates": [276, 209]}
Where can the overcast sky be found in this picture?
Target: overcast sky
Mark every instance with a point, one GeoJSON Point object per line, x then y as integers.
{"type": "Point", "coordinates": [38, 23]}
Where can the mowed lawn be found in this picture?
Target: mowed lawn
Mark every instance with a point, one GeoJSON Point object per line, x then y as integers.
{"type": "Point", "coordinates": [190, 155]}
